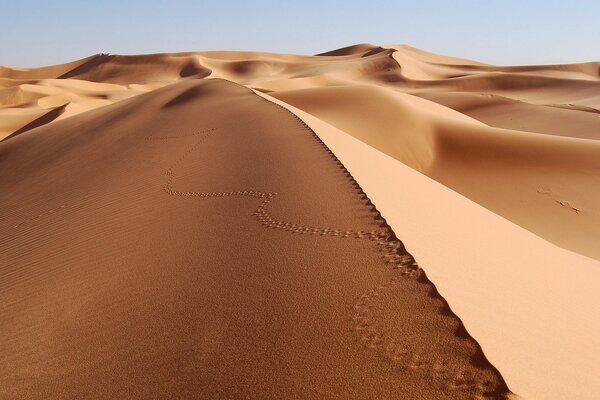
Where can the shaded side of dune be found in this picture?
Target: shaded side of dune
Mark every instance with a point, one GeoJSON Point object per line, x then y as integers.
{"type": "Point", "coordinates": [199, 241]}
{"type": "Point", "coordinates": [93, 63]}
{"type": "Point", "coordinates": [139, 69]}
{"type": "Point", "coordinates": [351, 50]}
{"type": "Point", "coordinates": [43, 120]}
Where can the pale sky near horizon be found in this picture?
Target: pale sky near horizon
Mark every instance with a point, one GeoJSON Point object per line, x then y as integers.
{"type": "Point", "coordinates": [509, 32]}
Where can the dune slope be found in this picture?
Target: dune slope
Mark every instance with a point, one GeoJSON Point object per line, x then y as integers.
{"type": "Point", "coordinates": [160, 248]}
{"type": "Point", "coordinates": [530, 304]}
{"type": "Point", "coordinates": [547, 184]}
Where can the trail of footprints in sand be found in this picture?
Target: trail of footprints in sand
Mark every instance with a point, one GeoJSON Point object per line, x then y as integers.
{"type": "Point", "coordinates": [372, 333]}
{"type": "Point", "coordinates": [392, 249]}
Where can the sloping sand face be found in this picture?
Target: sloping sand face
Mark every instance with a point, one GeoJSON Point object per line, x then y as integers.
{"type": "Point", "coordinates": [201, 242]}
{"type": "Point", "coordinates": [531, 305]}
{"type": "Point", "coordinates": [548, 184]}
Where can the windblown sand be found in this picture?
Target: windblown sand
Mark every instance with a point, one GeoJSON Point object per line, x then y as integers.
{"type": "Point", "coordinates": [166, 234]}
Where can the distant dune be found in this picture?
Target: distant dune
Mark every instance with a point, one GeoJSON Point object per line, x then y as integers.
{"type": "Point", "coordinates": [242, 225]}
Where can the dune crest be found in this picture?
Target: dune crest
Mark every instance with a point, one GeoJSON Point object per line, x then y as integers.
{"type": "Point", "coordinates": [534, 319]}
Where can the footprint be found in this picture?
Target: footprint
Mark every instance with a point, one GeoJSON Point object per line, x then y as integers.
{"type": "Point", "coordinates": [402, 322]}
{"type": "Point", "coordinates": [392, 250]}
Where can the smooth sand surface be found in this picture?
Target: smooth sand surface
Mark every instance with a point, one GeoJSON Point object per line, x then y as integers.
{"type": "Point", "coordinates": [105, 161]}
{"type": "Point", "coordinates": [531, 305]}
{"type": "Point", "coordinates": [201, 242]}
{"type": "Point", "coordinates": [503, 112]}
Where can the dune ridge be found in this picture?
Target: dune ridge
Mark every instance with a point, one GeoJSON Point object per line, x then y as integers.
{"type": "Point", "coordinates": [168, 304]}
{"type": "Point", "coordinates": [393, 250]}
{"type": "Point", "coordinates": [534, 321]}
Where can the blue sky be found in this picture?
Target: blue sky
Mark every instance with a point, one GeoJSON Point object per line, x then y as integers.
{"type": "Point", "coordinates": [501, 32]}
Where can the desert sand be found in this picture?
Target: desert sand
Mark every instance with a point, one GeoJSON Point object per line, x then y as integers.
{"type": "Point", "coordinates": [511, 288]}
{"type": "Point", "coordinates": [245, 225]}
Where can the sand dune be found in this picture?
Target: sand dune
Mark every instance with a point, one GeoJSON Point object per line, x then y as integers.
{"type": "Point", "coordinates": [159, 220]}
{"type": "Point", "coordinates": [536, 323]}
{"type": "Point", "coordinates": [555, 192]}
{"type": "Point", "coordinates": [173, 250]}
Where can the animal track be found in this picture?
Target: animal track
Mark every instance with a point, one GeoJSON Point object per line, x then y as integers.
{"type": "Point", "coordinates": [372, 334]}
{"type": "Point", "coordinates": [392, 249]}
{"type": "Point", "coordinates": [567, 205]}
{"type": "Point", "coordinates": [548, 192]}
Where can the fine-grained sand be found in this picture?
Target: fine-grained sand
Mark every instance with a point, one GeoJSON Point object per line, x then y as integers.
{"type": "Point", "coordinates": [201, 242]}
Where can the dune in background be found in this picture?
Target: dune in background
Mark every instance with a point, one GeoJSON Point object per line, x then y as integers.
{"type": "Point", "coordinates": [484, 150]}
{"type": "Point", "coordinates": [522, 142]}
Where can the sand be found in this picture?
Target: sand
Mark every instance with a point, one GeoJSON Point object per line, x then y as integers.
{"type": "Point", "coordinates": [554, 190]}
{"type": "Point", "coordinates": [161, 248]}
{"type": "Point", "coordinates": [531, 305]}
{"type": "Point", "coordinates": [166, 232]}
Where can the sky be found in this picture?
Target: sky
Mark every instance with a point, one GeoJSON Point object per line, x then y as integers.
{"type": "Point", "coordinates": [35, 33]}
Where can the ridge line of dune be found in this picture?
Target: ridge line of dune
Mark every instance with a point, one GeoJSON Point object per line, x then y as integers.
{"type": "Point", "coordinates": [44, 119]}
{"type": "Point", "coordinates": [404, 352]}
{"type": "Point", "coordinates": [394, 252]}
{"type": "Point", "coordinates": [98, 59]}
{"type": "Point", "coordinates": [395, 351]}
{"type": "Point", "coordinates": [573, 107]}
{"type": "Point", "coordinates": [369, 338]}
